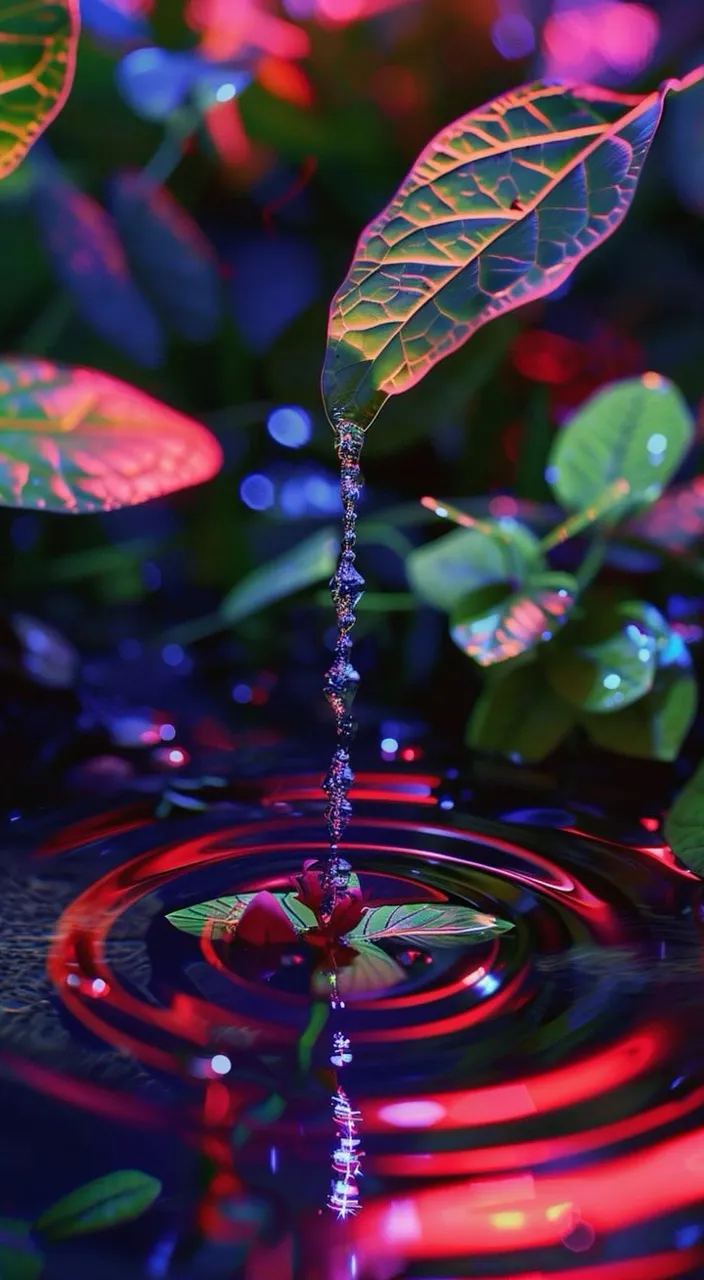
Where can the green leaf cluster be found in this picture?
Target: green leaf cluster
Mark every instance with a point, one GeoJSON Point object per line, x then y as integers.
{"type": "Point", "coordinates": [562, 650]}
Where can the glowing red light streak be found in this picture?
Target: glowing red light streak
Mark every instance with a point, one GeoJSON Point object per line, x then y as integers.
{"type": "Point", "coordinates": [562, 1087]}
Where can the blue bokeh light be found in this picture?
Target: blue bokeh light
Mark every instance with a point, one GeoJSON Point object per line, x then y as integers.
{"type": "Point", "coordinates": [257, 492]}
{"type": "Point", "coordinates": [289, 426]}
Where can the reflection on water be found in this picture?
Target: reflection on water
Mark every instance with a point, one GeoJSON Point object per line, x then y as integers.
{"type": "Point", "coordinates": [533, 1105]}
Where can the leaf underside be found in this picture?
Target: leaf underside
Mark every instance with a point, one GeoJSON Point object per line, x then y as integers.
{"type": "Point", "coordinates": [515, 623]}
{"type": "Point", "coordinates": [39, 39]}
{"type": "Point", "coordinates": [73, 440]}
{"type": "Point", "coordinates": [498, 210]}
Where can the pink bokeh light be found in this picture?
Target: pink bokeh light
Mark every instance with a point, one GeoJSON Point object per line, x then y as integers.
{"type": "Point", "coordinates": [590, 42]}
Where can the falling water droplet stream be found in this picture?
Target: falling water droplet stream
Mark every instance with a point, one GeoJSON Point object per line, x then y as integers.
{"type": "Point", "coordinates": [340, 687]}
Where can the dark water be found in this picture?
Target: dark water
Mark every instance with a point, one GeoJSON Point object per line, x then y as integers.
{"type": "Point", "coordinates": [533, 1106]}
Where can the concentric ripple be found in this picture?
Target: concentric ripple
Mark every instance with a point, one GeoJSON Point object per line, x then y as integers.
{"type": "Point", "coordinates": [532, 1106]}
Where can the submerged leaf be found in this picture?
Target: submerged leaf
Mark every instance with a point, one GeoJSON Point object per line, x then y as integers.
{"type": "Point", "coordinates": [636, 431]}
{"type": "Point", "coordinates": [176, 263]}
{"type": "Point", "coordinates": [443, 572]}
{"type": "Point", "coordinates": [106, 1202]}
{"type": "Point", "coordinates": [494, 625]}
{"type": "Point", "coordinates": [519, 716]}
{"type": "Point", "coordinates": [88, 259]}
{"type": "Point", "coordinates": [610, 659]}
{"type": "Point", "coordinates": [498, 210]}
{"type": "Point", "coordinates": [437, 925]}
{"type": "Point", "coordinates": [369, 973]}
{"type": "Point", "coordinates": [39, 41]}
{"type": "Point", "coordinates": [73, 440]}
{"type": "Point", "coordinates": [311, 561]}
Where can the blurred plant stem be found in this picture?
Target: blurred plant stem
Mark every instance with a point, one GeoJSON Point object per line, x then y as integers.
{"type": "Point", "coordinates": [178, 131]}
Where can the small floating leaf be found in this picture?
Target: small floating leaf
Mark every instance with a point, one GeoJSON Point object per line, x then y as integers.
{"type": "Point", "coordinates": [224, 914]}
{"type": "Point", "coordinates": [441, 925]}
{"type": "Point", "coordinates": [311, 561]}
{"type": "Point", "coordinates": [445, 571]}
{"type": "Point", "coordinates": [73, 440]}
{"type": "Point", "coordinates": [369, 973]}
{"type": "Point", "coordinates": [106, 1202]}
{"type": "Point", "coordinates": [519, 716]}
{"type": "Point", "coordinates": [609, 660]}
{"type": "Point", "coordinates": [498, 210]}
{"type": "Point", "coordinates": [175, 261]}
{"type": "Point", "coordinates": [19, 1257]}
{"type": "Point", "coordinates": [88, 259]}
{"type": "Point", "coordinates": [39, 40]}
{"type": "Point", "coordinates": [684, 824]}
{"type": "Point", "coordinates": [655, 726]}
{"type": "Point", "coordinates": [493, 625]}
{"type": "Point", "coordinates": [636, 431]}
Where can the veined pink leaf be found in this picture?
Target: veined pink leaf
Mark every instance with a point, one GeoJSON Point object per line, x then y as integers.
{"type": "Point", "coordinates": [497, 211]}
{"type": "Point", "coordinates": [39, 40]}
{"type": "Point", "coordinates": [73, 440]}
{"type": "Point", "coordinates": [437, 925]}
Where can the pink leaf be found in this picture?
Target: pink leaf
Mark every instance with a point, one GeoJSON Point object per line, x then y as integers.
{"type": "Point", "coordinates": [73, 440]}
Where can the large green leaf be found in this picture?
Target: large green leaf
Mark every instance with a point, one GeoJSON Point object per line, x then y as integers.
{"type": "Point", "coordinates": [369, 973]}
{"type": "Point", "coordinates": [636, 431]}
{"type": "Point", "coordinates": [39, 39]}
{"type": "Point", "coordinates": [311, 561]}
{"type": "Point", "coordinates": [106, 1202]}
{"type": "Point", "coordinates": [437, 925]}
{"type": "Point", "coordinates": [74, 440]}
{"type": "Point", "coordinates": [223, 914]}
{"type": "Point", "coordinates": [684, 824]}
{"type": "Point", "coordinates": [493, 625]}
{"type": "Point", "coordinates": [19, 1257]}
{"type": "Point", "coordinates": [443, 572]}
{"type": "Point", "coordinates": [655, 726]}
{"type": "Point", "coordinates": [498, 210]}
{"type": "Point", "coordinates": [608, 660]}
{"type": "Point", "coordinates": [518, 715]}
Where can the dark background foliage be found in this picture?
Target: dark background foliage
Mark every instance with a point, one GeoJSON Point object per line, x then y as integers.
{"type": "Point", "coordinates": [323, 141]}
